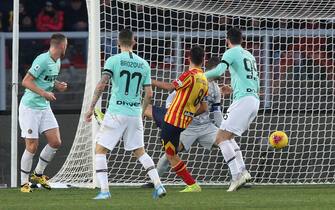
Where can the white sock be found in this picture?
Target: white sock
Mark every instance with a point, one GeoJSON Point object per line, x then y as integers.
{"type": "Point", "coordinates": [163, 165]}
{"type": "Point", "coordinates": [239, 156]}
{"type": "Point", "coordinates": [149, 165]}
{"type": "Point", "coordinates": [230, 158]}
{"type": "Point", "coordinates": [101, 170]}
{"type": "Point", "coordinates": [46, 156]}
{"type": "Point", "coordinates": [26, 163]}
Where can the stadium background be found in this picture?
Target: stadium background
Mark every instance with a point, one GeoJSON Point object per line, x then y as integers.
{"type": "Point", "coordinates": [67, 107]}
{"type": "Point", "coordinates": [36, 18]}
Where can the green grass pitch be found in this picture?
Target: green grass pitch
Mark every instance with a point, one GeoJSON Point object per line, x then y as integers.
{"type": "Point", "coordinates": [321, 197]}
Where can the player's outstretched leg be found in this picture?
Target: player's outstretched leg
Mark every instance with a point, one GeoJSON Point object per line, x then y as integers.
{"type": "Point", "coordinates": [46, 157]}
{"type": "Point", "coordinates": [240, 161]}
{"type": "Point", "coordinates": [26, 164]}
{"type": "Point", "coordinates": [162, 167]}
{"type": "Point", "coordinates": [149, 165]}
{"type": "Point", "coordinates": [101, 172]}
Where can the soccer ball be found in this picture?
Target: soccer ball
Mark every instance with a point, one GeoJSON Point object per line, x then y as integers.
{"type": "Point", "coordinates": [278, 140]}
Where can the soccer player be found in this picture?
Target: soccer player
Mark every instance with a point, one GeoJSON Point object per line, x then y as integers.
{"type": "Point", "coordinates": [35, 114]}
{"type": "Point", "coordinates": [245, 84]}
{"type": "Point", "coordinates": [191, 88]}
{"type": "Point", "coordinates": [128, 73]}
{"type": "Point", "coordinates": [203, 128]}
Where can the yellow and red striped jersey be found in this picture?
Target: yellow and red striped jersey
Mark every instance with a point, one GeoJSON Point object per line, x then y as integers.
{"type": "Point", "coordinates": [191, 88]}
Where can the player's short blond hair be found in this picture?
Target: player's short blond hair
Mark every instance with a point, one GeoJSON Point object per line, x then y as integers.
{"type": "Point", "coordinates": [57, 39]}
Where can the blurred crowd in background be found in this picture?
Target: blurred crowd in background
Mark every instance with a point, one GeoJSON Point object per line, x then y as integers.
{"type": "Point", "coordinates": [284, 57]}
{"type": "Point", "coordinates": [45, 15]}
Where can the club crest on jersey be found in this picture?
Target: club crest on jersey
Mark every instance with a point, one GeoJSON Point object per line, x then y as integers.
{"type": "Point", "coordinates": [180, 83]}
{"type": "Point", "coordinates": [188, 114]}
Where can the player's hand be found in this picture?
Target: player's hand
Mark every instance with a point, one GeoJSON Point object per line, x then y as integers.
{"type": "Point", "coordinates": [88, 115]}
{"type": "Point", "coordinates": [61, 86]}
{"type": "Point", "coordinates": [226, 89]}
{"type": "Point", "coordinates": [50, 96]}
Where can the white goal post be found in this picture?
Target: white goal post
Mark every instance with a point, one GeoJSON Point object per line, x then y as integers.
{"type": "Point", "coordinates": [293, 42]}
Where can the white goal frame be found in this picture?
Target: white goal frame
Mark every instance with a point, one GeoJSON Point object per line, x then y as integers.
{"type": "Point", "coordinates": [93, 73]}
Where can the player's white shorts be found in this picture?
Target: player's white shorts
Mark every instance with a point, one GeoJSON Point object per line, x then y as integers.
{"type": "Point", "coordinates": [114, 127]}
{"type": "Point", "coordinates": [35, 121]}
{"type": "Point", "coordinates": [240, 114]}
{"type": "Point", "coordinates": [203, 134]}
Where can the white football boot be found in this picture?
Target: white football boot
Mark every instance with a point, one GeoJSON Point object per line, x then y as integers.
{"type": "Point", "coordinates": [235, 184]}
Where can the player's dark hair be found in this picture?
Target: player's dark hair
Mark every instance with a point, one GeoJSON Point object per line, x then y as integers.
{"type": "Point", "coordinates": [57, 38]}
{"type": "Point", "coordinates": [197, 55]}
{"type": "Point", "coordinates": [126, 37]}
{"type": "Point", "coordinates": [234, 35]}
{"type": "Point", "coordinates": [212, 63]}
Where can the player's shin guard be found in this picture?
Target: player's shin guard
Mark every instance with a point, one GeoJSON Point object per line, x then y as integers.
{"type": "Point", "coordinates": [26, 163]}
{"type": "Point", "coordinates": [101, 171]}
{"type": "Point", "coordinates": [149, 165]}
{"type": "Point", "coordinates": [163, 165]}
{"type": "Point", "coordinates": [230, 158]}
{"type": "Point", "coordinates": [182, 171]}
{"type": "Point", "coordinates": [239, 156]}
{"type": "Point", "coordinates": [46, 156]}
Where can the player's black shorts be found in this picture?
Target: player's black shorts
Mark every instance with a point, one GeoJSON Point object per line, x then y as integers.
{"type": "Point", "coordinates": [170, 138]}
{"type": "Point", "coordinates": [158, 114]}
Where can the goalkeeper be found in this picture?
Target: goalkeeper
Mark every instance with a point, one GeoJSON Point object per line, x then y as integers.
{"type": "Point", "coordinates": [203, 128]}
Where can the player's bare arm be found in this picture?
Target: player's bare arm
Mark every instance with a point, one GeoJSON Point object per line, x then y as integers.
{"type": "Point", "coordinates": [28, 82]}
{"type": "Point", "coordinates": [60, 86]}
{"type": "Point", "coordinates": [97, 94]}
{"type": "Point", "coordinates": [163, 85]}
{"type": "Point", "coordinates": [147, 98]}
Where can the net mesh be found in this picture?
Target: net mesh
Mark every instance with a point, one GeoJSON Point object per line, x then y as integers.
{"type": "Point", "coordinates": [294, 48]}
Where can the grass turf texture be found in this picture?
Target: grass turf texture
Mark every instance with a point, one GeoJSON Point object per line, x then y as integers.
{"type": "Point", "coordinates": [258, 197]}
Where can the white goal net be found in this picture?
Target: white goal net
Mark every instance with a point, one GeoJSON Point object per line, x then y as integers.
{"type": "Point", "coordinates": [293, 42]}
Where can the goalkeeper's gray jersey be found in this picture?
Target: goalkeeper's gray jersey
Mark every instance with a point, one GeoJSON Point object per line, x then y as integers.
{"type": "Point", "coordinates": [213, 100]}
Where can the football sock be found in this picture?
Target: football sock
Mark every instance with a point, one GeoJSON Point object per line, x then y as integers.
{"type": "Point", "coordinates": [230, 158]}
{"type": "Point", "coordinates": [46, 156]}
{"type": "Point", "coordinates": [101, 171]}
{"type": "Point", "coordinates": [181, 171]}
{"type": "Point", "coordinates": [149, 165]}
{"type": "Point", "coordinates": [239, 156]}
{"type": "Point", "coordinates": [163, 165]}
{"type": "Point", "coordinates": [26, 163]}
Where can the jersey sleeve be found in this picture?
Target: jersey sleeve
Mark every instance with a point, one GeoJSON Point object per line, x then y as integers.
{"type": "Point", "coordinates": [147, 77]}
{"type": "Point", "coordinates": [37, 67]}
{"type": "Point", "coordinates": [228, 57]}
{"type": "Point", "coordinates": [217, 71]}
{"type": "Point", "coordinates": [109, 66]}
{"type": "Point", "coordinates": [217, 94]}
{"type": "Point", "coordinates": [226, 61]}
{"type": "Point", "coordinates": [216, 99]}
{"type": "Point", "coordinates": [182, 81]}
